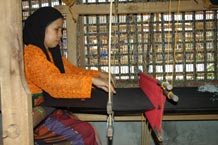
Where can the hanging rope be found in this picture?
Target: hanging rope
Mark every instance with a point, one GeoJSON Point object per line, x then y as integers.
{"type": "Point", "coordinates": [109, 103]}
{"type": "Point", "coordinates": [176, 32]}
{"type": "Point", "coordinates": [109, 54]}
{"type": "Point", "coordinates": [147, 57]}
{"type": "Point", "coordinates": [70, 4]}
{"type": "Point", "coordinates": [176, 40]}
{"type": "Point", "coordinates": [168, 37]}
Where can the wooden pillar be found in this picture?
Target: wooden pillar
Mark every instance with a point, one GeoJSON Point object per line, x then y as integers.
{"type": "Point", "coordinates": [71, 34]}
{"type": "Point", "coordinates": [15, 101]}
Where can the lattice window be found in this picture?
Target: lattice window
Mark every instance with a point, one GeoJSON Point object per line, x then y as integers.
{"type": "Point", "coordinates": [178, 47]}
{"type": "Point", "coordinates": [29, 6]}
{"type": "Point", "coordinates": [172, 46]}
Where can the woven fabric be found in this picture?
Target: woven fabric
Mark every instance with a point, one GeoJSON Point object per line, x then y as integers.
{"type": "Point", "coordinates": [154, 92]}
{"type": "Point", "coordinates": [63, 126]}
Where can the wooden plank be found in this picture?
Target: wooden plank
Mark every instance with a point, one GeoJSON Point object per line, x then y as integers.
{"type": "Point", "coordinates": [139, 117]}
{"type": "Point", "coordinates": [136, 8]}
{"type": "Point", "coordinates": [191, 117]}
{"type": "Point", "coordinates": [15, 103]}
{"type": "Point", "coordinates": [71, 33]}
{"type": "Point", "coordinates": [209, 5]}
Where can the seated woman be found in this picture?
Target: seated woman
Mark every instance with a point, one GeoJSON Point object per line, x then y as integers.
{"type": "Point", "coordinates": [48, 73]}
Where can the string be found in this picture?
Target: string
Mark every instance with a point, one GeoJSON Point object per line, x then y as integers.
{"type": "Point", "coordinates": [176, 40]}
{"type": "Point", "coordinates": [168, 38]}
{"type": "Point", "coordinates": [176, 28]}
{"type": "Point", "coordinates": [109, 53]}
{"type": "Point", "coordinates": [70, 4]}
{"type": "Point", "coordinates": [109, 103]}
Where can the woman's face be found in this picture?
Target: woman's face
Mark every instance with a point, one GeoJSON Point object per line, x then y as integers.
{"type": "Point", "coordinates": [53, 33]}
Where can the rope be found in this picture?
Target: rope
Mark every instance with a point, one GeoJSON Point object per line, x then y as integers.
{"type": "Point", "coordinates": [109, 52]}
{"type": "Point", "coordinates": [70, 4]}
{"type": "Point", "coordinates": [168, 35]}
{"type": "Point", "coordinates": [176, 40]}
{"type": "Point", "coordinates": [109, 103]}
{"type": "Point", "coordinates": [176, 32]}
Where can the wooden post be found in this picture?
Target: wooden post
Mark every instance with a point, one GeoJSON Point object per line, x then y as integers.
{"type": "Point", "coordinates": [15, 101]}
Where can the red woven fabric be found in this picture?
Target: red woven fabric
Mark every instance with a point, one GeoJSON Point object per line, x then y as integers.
{"type": "Point", "coordinates": [154, 92]}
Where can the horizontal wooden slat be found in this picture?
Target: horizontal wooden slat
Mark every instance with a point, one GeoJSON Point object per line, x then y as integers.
{"type": "Point", "coordinates": [139, 117]}
{"type": "Point", "coordinates": [136, 8]}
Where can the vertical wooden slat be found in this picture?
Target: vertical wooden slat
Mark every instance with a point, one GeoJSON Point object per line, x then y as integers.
{"type": "Point", "coordinates": [193, 41]}
{"type": "Point", "coordinates": [71, 33]}
{"type": "Point", "coordinates": [215, 44]}
{"type": "Point", "coordinates": [80, 43]}
{"type": "Point", "coordinates": [15, 103]}
{"type": "Point", "coordinates": [88, 40]}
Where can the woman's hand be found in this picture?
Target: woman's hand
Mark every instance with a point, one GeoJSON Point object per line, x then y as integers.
{"type": "Point", "coordinates": [103, 84]}
{"type": "Point", "coordinates": [105, 75]}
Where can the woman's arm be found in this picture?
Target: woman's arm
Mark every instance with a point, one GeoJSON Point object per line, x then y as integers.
{"type": "Point", "coordinates": [45, 75]}
{"type": "Point", "coordinates": [70, 68]}
{"type": "Point", "coordinates": [100, 78]}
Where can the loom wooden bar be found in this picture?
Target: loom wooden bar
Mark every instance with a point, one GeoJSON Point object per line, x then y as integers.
{"type": "Point", "coordinates": [15, 103]}
{"type": "Point", "coordinates": [139, 117]}
{"type": "Point", "coordinates": [140, 7]}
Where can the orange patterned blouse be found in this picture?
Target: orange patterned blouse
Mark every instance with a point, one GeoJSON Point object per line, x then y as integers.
{"type": "Point", "coordinates": [42, 74]}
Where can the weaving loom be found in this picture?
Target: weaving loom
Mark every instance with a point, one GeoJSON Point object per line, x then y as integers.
{"type": "Point", "coordinates": [148, 99]}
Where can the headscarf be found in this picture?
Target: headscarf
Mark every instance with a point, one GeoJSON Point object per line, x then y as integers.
{"type": "Point", "coordinates": [34, 32]}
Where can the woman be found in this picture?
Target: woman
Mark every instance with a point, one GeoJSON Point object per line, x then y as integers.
{"type": "Point", "coordinates": [48, 73]}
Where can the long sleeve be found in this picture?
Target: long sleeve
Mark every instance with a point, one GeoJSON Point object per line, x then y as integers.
{"type": "Point", "coordinates": [43, 74]}
{"type": "Point", "coordinates": [70, 68]}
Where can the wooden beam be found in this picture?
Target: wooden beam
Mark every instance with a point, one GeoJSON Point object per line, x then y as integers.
{"type": "Point", "coordinates": [137, 8]}
{"type": "Point", "coordinates": [139, 117]}
{"type": "Point", "coordinates": [209, 5]}
{"type": "Point", "coordinates": [71, 34]}
{"type": "Point", "coordinates": [15, 103]}
{"type": "Point", "coordinates": [189, 117]}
